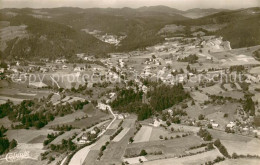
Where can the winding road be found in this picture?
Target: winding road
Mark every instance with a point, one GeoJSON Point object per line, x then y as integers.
{"type": "Point", "coordinates": [79, 157]}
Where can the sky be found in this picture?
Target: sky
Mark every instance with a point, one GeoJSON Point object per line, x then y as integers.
{"type": "Point", "coordinates": [178, 4]}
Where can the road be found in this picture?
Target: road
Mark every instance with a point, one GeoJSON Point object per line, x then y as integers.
{"type": "Point", "coordinates": [79, 157]}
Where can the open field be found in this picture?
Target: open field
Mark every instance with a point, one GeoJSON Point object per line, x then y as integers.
{"type": "Point", "coordinates": [195, 159]}
{"type": "Point", "coordinates": [159, 131]}
{"type": "Point", "coordinates": [255, 70]}
{"type": "Point", "coordinates": [242, 148]}
{"type": "Point", "coordinates": [114, 125]}
{"type": "Point", "coordinates": [121, 135]}
{"type": "Point", "coordinates": [213, 90]}
{"type": "Point", "coordinates": [200, 97]}
{"type": "Point", "coordinates": [135, 160]}
{"type": "Point", "coordinates": [25, 136]}
{"type": "Point", "coordinates": [227, 136]}
{"type": "Point", "coordinates": [66, 119]}
{"type": "Point", "coordinates": [90, 121]}
{"type": "Point", "coordinates": [66, 136]}
{"type": "Point", "coordinates": [169, 148]}
{"type": "Point", "coordinates": [143, 135]}
{"type": "Point", "coordinates": [38, 139]}
{"type": "Point", "coordinates": [242, 161]}
{"type": "Point", "coordinates": [184, 128]}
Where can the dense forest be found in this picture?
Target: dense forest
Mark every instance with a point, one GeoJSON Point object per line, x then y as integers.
{"type": "Point", "coordinates": [161, 97]}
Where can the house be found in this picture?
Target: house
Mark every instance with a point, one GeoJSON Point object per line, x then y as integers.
{"type": "Point", "coordinates": [59, 61]}
{"type": "Point", "coordinates": [81, 141]}
{"type": "Point", "coordinates": [170, 111]}
{"type": "Point", "coordinates": [2, 70]}
{"type": "Point", "coordinates": [156, 123]}
{"type": "Point", "coordinates": [102, 106]}
{"type": "Point", "coordinates": [214, 125]}
{"type": "Point", "coordinates": [77, 69]}
{"type": "Point", "coordinates": [120, 116]}
{"type": "Point", "coordinates": [93, 132]}
{"type": "Point", "coordinates": [231, 125]}
{"type": "Point", "coordinates": [64, 67]}
{"type": "Point", "coordinates": [84, 137]}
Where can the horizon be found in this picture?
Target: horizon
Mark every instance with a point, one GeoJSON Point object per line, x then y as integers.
{"type": "Point", "coordinates": [134, 4]}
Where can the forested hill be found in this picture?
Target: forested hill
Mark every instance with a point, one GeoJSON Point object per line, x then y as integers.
{"type": "Point", "coordinates": [241, 26]}
{"type": "Point", "coordinates": [58, 32]}
{"type": "Point", "coordinates": [33, 33]}
{"type": "Point", "coordinates": [50, 39]}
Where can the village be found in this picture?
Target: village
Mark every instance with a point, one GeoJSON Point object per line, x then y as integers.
{"type": "Point", "coordinates": [206, 66]}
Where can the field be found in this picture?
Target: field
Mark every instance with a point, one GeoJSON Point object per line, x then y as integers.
{"type": "Point", "coordinates": [121, 135]}
{"type": "Point", "coordinates": [255, 70]}
{"type": "Point", "coordinates": [184, 128]}
{"type": "Point", "coordinates": [66, 136]}
{"type": "Point", "coordinates": [213, 90]}
{"type": "Point", "coordinates": [143, 134]}
{"type": "Point", "coordinates": [114, 125]}
{"type": "Point", "coordinates": [25, 136]}
{"type": "Point", "coordinates": [247, 161]}
{"type": "Point", "coordinates": [169, 148]}
{"type": "Point", "coordinates": [17, 92]}
{"type": "Point", "coordinates": [65, 119]}
{"type": "Point", "coordinates": [195, 159]}
{"type": "Point", "coordinates": [242, 148]}
{"type": "Point", "coordinates": [159, 131]}
{"type": "Point", "coordinates": [200, 97]}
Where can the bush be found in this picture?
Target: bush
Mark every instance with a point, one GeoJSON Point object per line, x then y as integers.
{"type": "Point", "coordinates": [143, 153]}
{"type": "Point", "coordinates": [201, 117]}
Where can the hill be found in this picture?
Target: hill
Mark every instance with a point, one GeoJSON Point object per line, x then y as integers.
{"type": "Point", "coordinates": [51, 40]}
{"type": "Point", "coordinates": [241, 27]}
{"type": "Point", "coordinates": [58, 32]}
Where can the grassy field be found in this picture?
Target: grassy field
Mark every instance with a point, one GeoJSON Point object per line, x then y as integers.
{"type": "Point", "coordinates": [66, 136]}
{"type": "Point", "coordinates": [143, 134]}
{"type": "Point", "coordinates": [251, 147]}
{"type": "Point", "coordinates": [169, 148]}
{"type": "Point", "coordinates": [195, 159]}
{"type": "Point", "coordinates": [247, 161]}
{"type": "Point", "coordinates": [213, 90]}
{"type": "Point", "coordinates": [66, 119]}
{"type": "Point", "coordinates": [115, 150]}
{"type": "Point", "coordinates": [121, 135]}
{"type": "Point", "coordinates": [158, 131]}
{"type": "Point", "coordinates": [25, 136]}
{"type": "Point", "coordinates": [184, 128]}
{"type": "Point", "coordinates": [198, 96]}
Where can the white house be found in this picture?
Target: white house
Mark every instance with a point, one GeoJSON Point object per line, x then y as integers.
{"type": "Point", "coordinates": [93, 132]}
{"type": "Point", "coordinates": [214, 125]}
{"type": "Point", "coordinates": [120, 116]}
{"type": "Point", "coordinates": [231, 124]}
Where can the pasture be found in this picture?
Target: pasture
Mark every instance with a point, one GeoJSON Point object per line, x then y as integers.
{"type": "Point", "coordinates": [195, 159]}
{"type": "Point", "coordinates": [25, 136]}
{"type": "Point", "coordinates": [143, 135]}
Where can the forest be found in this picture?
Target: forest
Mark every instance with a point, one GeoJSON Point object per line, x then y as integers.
{"type": "Point", "coordinates": [160, 98]}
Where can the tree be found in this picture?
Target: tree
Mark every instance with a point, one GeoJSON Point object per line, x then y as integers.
{"type": "Point", "coordinates": [131, 140]}
{"type": "Point", "coordinates": [168, 123]}
{"type": "Point", "coordinates": [201, 117]}
{"type": "Point", "coordinates": [143, 153]}
{"type": "Point", "coordinates": [13, 144]}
